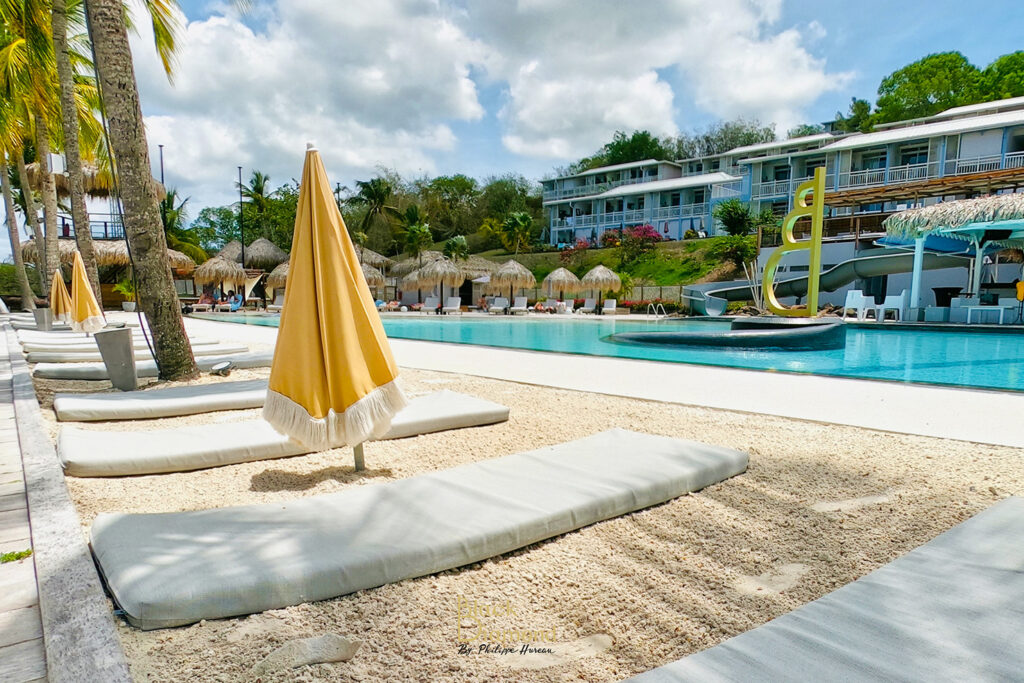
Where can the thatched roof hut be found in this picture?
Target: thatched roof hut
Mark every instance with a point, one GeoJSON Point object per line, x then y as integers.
{"type": "Point", "coordinates": [561, 280]}
{"type": "Point", "coordinates": [263, 253]}
{"type": "Point", "coordinates": [441, 272]}
{"type": "Point", "coordinates": [371, 258]}
{"type": "Point", "coordinates": [601, 278]}
{"type": "Point", "coordinates": [945, 217]}
{"type": "Point", "coordinates": [217, 270]}
{"type": "Point", "coordinates": [278, 276]}
{"type": "Point", "coordinates": [511, 275]}
{"type": "Point", "coordinates": [30, 252]}
{"type": "Point", "coordinates": [477, 266]}
{"type": "Point", "coordinates": [374, 278]}
{"type": "Point", "coordinates": [115, 253]}
{"type": "Point", "coordinates": [406, 266]}
{"type": "Point", "coordinates": [232, 251]}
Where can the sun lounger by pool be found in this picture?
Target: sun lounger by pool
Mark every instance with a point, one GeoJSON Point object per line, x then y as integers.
{"type": "Point", "coordinates": [498, 305]}
{"type": "Point", "coordinates": [178, 568]}
{"type": "Point", "coordinates": [608, 306]}
{"type": "Point", "coordinates": [90, 453]}
{"type": "Point", "coordinates": [947, 611]}
{"type": "Point", "coordinates": [147, 368]}
{"type": "Point", "coordinates": [89, 345]}
{"type": "Point", "coordinates": [140, 354]}
{"type": "Point", "coordinates": [588, 306]}
{"type": "Point", "coordinates": [454, 305]}
{"type": "Point", "coordinates": [518, 306]}
{"type": "Point", "coordinates": [155, 403]}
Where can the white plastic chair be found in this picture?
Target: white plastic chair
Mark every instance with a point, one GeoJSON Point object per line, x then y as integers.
{"type": "Point", "coordinates": [893, 302]}
{"type": "Point", "coordinates": [608, 308]}
{"type": "Point", "coordinates": [430, 304]}
{"type": "Point", "coordinates": [498, 305]}
{"type": "Point", "coordinates": [856, 300]}
{"type": "Point", "coordinates": [519, 306]}
{"type": "Point", "coordinates": [569, 303]}
{"type": "Point", "coordinates": [588, 306]}
{"type": "Point", "coordinates": [454, 305]}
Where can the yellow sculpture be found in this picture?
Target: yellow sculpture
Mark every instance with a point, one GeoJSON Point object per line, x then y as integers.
{"type": "Point", "coordinates": [816, 211]}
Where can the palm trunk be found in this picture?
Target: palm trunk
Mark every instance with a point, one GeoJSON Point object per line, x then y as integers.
{"type": "Point", "coordinates": [143, 228]}
{"type": "Point", "coordinates": [28, 302]}
{"type": "Point", "coordinates": [72, 154]}
{"type": "Point", "coordinates": [49, 192]}
{"type": "Point", "coordinates": [32, 220]}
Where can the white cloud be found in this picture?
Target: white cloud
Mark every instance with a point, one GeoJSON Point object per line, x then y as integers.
{"type": "Point", "coordinates": [383, 82]}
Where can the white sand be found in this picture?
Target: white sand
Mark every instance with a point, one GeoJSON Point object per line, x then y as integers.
{"type": "Point", "coordinates": [820, 506]}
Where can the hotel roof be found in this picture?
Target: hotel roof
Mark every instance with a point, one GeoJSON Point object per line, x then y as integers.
{"type": "Point", "coordinates": [927, 130]}
{"type": "Point", "coordinates": [779, 144]}
{"type": "Point", "coordinates": [617, 167]}
{"type": "Point", "coordinates": [670, 184]}
{"type": "Point", "coordinates": [970, 109]}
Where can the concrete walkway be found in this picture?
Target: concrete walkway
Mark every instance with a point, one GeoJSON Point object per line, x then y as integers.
{"type": "Point", "coordinates": [980, 416]}
{"type": "Point", "coordinates": [22, 655]}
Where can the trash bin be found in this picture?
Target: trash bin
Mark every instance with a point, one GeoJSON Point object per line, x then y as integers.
{"type": "Point", "coordinates": [44, 319]}
{"type": "Point", "coordinates": [118, 355]}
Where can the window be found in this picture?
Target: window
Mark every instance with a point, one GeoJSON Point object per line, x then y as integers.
{"type": "Point", "coordinates": [715, 164]}
{"type": "Point", "coordinates": [914, 154]}
{"type": "Point", "coordinates": [698, 196]}
{"type": "Point", "coordinates": [872, 160]}
{"type": "Point", "coordinates": [780, 173]}
{"type": "Point", "coordinates": [780, 207]}
{"type": "Point", "coordinates": [811, 164]}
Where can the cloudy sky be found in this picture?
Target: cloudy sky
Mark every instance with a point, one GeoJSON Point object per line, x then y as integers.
{"type": "Point", "coordinates": [491, 86]}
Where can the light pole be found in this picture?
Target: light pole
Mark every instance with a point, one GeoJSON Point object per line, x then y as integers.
{"type": "Point", "coordinates": [241, 225]}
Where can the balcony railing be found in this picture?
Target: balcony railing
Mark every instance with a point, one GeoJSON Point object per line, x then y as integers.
{"type": "Point", "coordinates": [617, 218]}
{"type": "Point", "coordinates": [588, 189]}
{"type": "Point", "coordinates": [102, 226]}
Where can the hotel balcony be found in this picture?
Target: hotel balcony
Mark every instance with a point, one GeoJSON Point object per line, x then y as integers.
{"type": "Point", "coordinates": [896, 175]}
{"type": "Point", "coordinates": [589, 189]}
{"type": "Point", "coordinates": [627, 218]}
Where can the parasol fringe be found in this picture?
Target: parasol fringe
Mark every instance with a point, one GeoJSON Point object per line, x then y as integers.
{"type": "Point", "coordinates": [367, 418]}
{"type": "Point", "coordinates": [92, 324]}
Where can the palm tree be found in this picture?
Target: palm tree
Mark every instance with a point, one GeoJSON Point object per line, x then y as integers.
{"type": "Point", "coordinates": [143, 228]}
{"type": "Point", "coordinates": [457, 248]}
{"type": "Point", "coordinates": [375, 195]}
{"type": "Point", "coordinates": [27, 296]}
{"type": "Point", "coordinates": [417, 238]}
{"type": "Point", "coordinates": [517, 231]}
{"type": "Point", "coordinates": [70, 113]}
{"type": "Point", "coordinates": [258, 195]}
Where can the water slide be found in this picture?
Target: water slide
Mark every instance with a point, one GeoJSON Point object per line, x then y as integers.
{"type": "Point", "coordinates": [711, 298]}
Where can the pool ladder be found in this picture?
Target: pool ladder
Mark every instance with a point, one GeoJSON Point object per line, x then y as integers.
{"type": "Point", "coordinates": [652, 309]}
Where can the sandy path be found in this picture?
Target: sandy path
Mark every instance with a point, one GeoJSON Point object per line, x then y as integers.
{"type": "Point", "coordinates": [819, 507]}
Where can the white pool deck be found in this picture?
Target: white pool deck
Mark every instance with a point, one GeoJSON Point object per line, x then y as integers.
{"type": "Point", "coordinates": [981, 416]}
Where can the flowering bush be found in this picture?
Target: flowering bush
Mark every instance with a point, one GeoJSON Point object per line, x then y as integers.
{"type": "Point", "coordinates": [637, 242]}
{"type": "Point", "coordinates": [610, 238]}
{"type": "Point", "coordinates": [643, 232]}
{"type": "Point", "coordinates": [573, 256]}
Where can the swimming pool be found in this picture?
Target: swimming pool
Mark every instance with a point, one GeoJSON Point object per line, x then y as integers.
{"type": "Point", "coordinates": [989, 360]}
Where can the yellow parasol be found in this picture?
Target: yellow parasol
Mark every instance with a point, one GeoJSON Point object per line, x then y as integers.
{"type": "Point", "coordinates": [332, 382]}
{"type": "Point", "coordinates": [60, 300]}
{"type": "Point", "coordinates": [86, 314]}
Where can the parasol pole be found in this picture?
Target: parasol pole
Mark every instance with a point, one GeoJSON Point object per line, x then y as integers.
{"type": "Point", "coordinates": [357, 452]}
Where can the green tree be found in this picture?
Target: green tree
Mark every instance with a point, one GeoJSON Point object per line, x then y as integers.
{"type": "Point", "coordinates": [734, 216]}
{"type": "Point", "coordinates": [258, 193]}
{"type": "Point", "coordinates": [1004, 77]}
{"type": "Point", "coordinates": [214, 227]}
{"type": "Point", "coordinates": [928, 86]}
{"type": "Point", "coordinates": [805, 129]}
{"type": "Point", "coordinates": [858, 117]}
{"type": "Point", "coordinates": [735, 249]}
{"type": "Point", "coordinates": [722, 137]}
{"type": "Point", "coordinates": [456, 248]}
{"type": "Point", "coordinates": [640, 145]}
{"type": "Point", "coordinates": [375, 198]}
{"type": "Point", "coordinates": [449, 200]}
{"type": "Point", "coordinates": [517, 231]}
{"type": "Point", "coordinates": [502, 195]}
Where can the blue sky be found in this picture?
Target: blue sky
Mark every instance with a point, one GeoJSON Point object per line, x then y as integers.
{"type": "Point", "coordinates": [487, 87]}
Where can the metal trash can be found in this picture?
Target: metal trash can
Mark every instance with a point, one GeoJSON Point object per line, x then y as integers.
{"type": "Point", "coordinates": [44, 319]}
{"type": "Point", "coordinates": [118, 355]}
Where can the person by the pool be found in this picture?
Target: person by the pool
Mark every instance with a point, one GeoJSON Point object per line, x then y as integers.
{"type": "Point", "coordinates": [235, 300]}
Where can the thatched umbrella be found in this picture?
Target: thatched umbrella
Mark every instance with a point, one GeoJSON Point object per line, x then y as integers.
{"type": "Point", "coordinates": [263, 253]}
{"type": "Point", "coordinates": [278, 277]}
{"type": "Point", "coordinates": [511, 275]}
{"type": "Point", "coordinates": [218, 270]}
{"type": "Point", "coordinates": [602, 279]}
{"type": "Point", "coordinates": [369, 257]}
{"type": "Point", "coordinates": [67, 249]}
{"type": "Point", "coordinates": [374, 278]}
{"type": "Point", "coordinates": [95, 181]}
{"type": "Point", "coordinates": [562, 281]}
{"type": "Point", "coordinates": [232, 251]}
{"type": "Point", "coordinates": [406, 266]}
{"type": "Point", "coordinates": [115, 253]}
{"type": "Point", "coordinates": [442, 272]}
{"type": "Point", "coordinates": [477, 266]}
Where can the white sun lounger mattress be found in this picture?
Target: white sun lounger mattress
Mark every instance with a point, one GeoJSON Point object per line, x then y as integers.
{"type": "Point", "coordinates": [178, 568]}
{"type": "Point", "coordinates": [140, 354]}
{"type": "Point", "coordinates": [89, 345]}
{"type": "Point", "coordinates": [951, 610]}
{"type": "Point", "coordinates": [147, 368]}
{"type": "Point", "coordinates": [93, 453]}
{"type": "Point", "coordinates": [154, 403]}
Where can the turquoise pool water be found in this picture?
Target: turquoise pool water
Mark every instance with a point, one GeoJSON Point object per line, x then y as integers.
{"type": "Point", "coordinates": [990, 360]}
